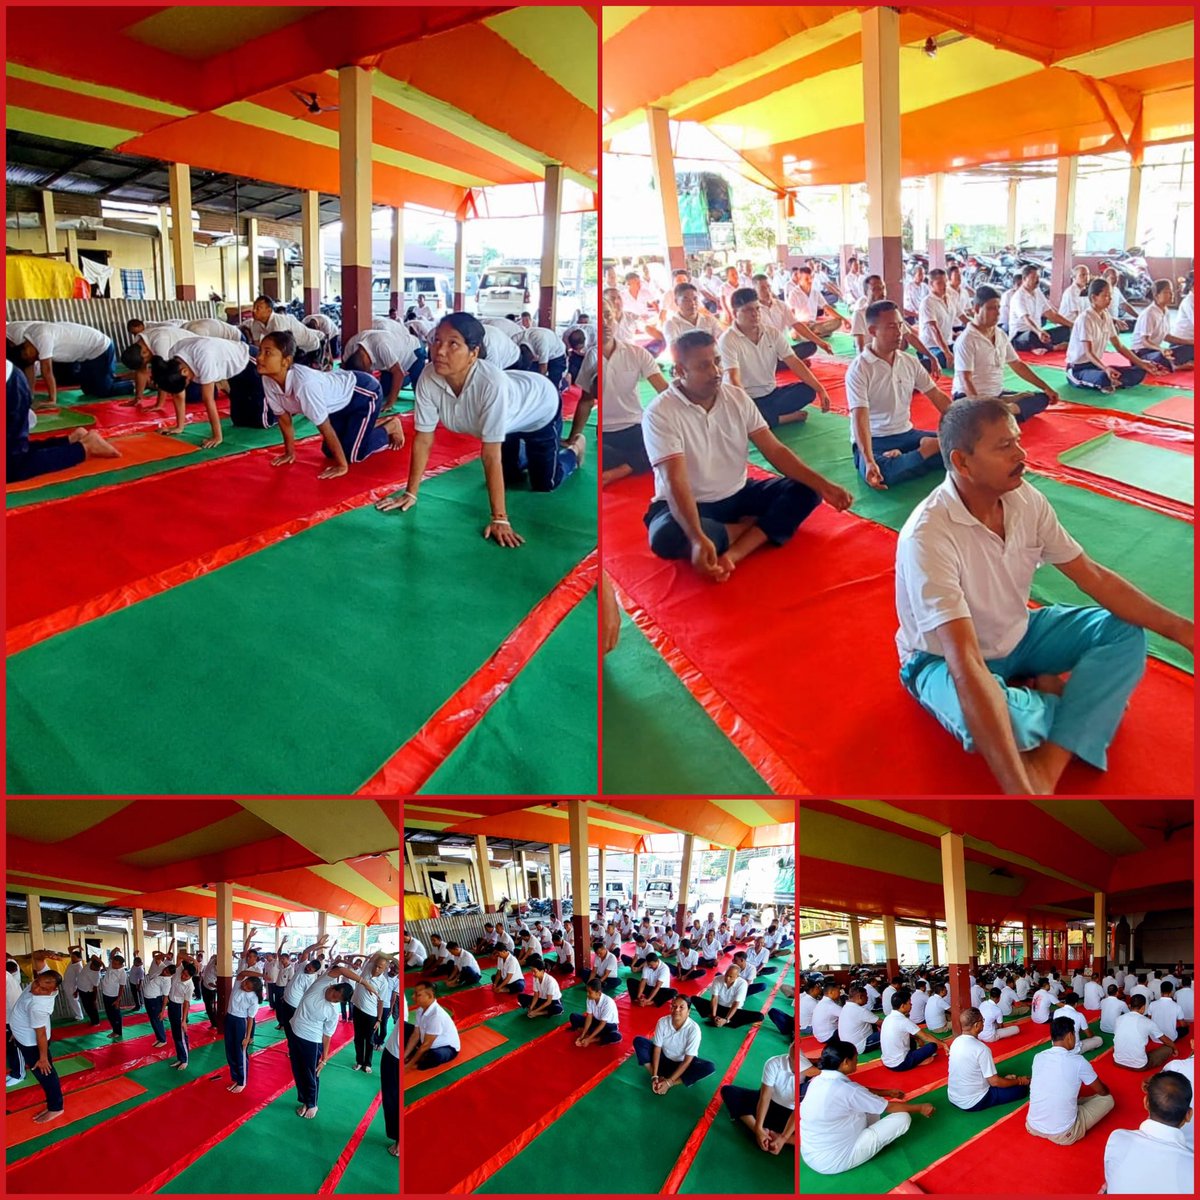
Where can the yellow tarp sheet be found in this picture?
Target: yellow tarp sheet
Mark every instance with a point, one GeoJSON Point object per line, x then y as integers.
{"type": "Point", "coordinates": [28, 278]}
{"type": "Point", "coordinates": [418, 908]}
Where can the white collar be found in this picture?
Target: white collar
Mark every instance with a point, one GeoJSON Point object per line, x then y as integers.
{"type": "Point", "coordinates": [1163, 1133]}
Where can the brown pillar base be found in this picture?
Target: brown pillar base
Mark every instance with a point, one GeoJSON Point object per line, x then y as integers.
{"type": "Point", "coordinates": [781, 252]}
{"type": "Point", "coordinates": [676, 258]}
{"type": "Point", "coordinates": [356, 300]}
{"type": "Point", "coordinates": [680, 914]}
{"type": "Point", "coordinates": [887, 260]}
{"type": "Point", "coordinates": [312, 301]}
{"type": "Point", "coordinates": [224, 991]}
{"type": "Point", "coordinates": [459, 301]}
{"type": "Point", "coordinates": [545, 313]}
{"type": "Point", "coordinates": [185, 291]}
{"type": "Point", "coordinates": [581, 942]}
{"type": "Point", "coordinates": [394, 302]}
{"type": "Point", "coordinates": [1099, 967]}
{"type": "Point", "coordinates": [1060, 266]}
{"type": "Point", "coordinates": [556, 909]}
{"type": "Point", "coordinates": [937, 253]}
{"type": "Point", "coordinates": [958, 992]}
{"type": "Point", "coordinates": [893, 968]}
{"type": "Point", "coordinates": [489, 908]}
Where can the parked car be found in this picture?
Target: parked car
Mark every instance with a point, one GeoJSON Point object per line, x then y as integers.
{"type": "Point", "coordinates": [502, 290]}
{"type": "Point", "coordinates": [616, 893]}
{"type": "Point", "coordinates": [435, 287]}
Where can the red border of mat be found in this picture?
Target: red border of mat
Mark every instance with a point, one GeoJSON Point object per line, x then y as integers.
{"type": "Point", "coordinates": [343, 1160]}
{"type": "Point", "coordinates": [411, 767]}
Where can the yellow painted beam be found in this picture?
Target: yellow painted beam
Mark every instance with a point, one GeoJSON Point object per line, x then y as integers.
{"type": "Point", "coordinates": [556, 40]}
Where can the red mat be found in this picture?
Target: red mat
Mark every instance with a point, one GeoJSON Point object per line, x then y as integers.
{"type": "Point", "coordinates": [136, 448]}
{"type": "Point", "coordinates": [783, 625]}
{"type": "Point", "coordinates": [507, 1104]}
{"type": "Point", "coordinates": [62, 1032]}
{"type": "Point", "coordinates": [480, 1003]}
{"type": "Point", "coordinates": [1076, 1170]}
{"type": "Point", "coordinates": [112, 416]}
{"type": "Point", "coordinates": [186, 525]}
{"type": "Point", "coordinates": [21, 1127]}
{"type": "Point", "coordinates": [200, 1110]}
{"type": "Point", "coordinates": [1175, 408]}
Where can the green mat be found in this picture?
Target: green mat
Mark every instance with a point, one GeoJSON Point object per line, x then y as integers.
{"type": "Point", "coordinates": [1156, 469]}
{"type": "Point", "coordinates": [157, 1078]}
{"type": "Point", "coordinates": [1150, 549]}
{"type": "Point", "coordinates": [51, 422]}
{"type": "Point", "coordinates": [605, 1115]}
{"type": "Point", "coordinates": [540, 735]}
{"type": "Point", "coordinates": [729, 1149]}
{"type": "Point", "coordinates": [657, 738]}
{"type": "Point", "coordinates": [232, 701]}
{"type": "Point", "coordinates": [64, 1066]}
{"type": "Point", "coordinates": [370, 1171]}
{"type": "Point", "coordinates": [928, 1139]}
{"type": "Point", "coordinates": [98, 1038]}
{"type": "Point", "coordinates": [312, 1147]}
{"type": "Point", "coordinates": [236, 441]}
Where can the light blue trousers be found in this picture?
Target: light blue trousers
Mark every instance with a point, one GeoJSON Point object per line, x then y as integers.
{"type": "Point", "coordinates": [1104, 655]}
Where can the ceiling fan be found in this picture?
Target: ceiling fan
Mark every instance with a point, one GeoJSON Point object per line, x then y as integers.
{"type": "Point", "coordinates": [311, 103]}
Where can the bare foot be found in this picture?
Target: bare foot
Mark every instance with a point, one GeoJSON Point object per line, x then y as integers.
{"type": "Point", "coordinates": [395, 432]}
{"type": "Point", "coordinates": [579, 444]}
{"type": "Point", "coordinates": [796, 418]}
{"type": "Point", "coordinates": [310, 1113]}
{"type": "Point", "coordinates": [238, 1087]}
{"type": "Point", "coordinates": [95, 446]}
{"type": "Point", "coordinates": [929, 446]}
{"type": "Point", "coordinates": [45, 1117]}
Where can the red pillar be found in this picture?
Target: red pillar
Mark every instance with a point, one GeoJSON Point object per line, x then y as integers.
{"type": "Point", "coordinates": [893, 969]}
{"type": "Point", "coordinates": [959, 993]}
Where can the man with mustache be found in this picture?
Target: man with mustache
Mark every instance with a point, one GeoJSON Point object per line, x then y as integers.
{"type": "Point", "coordinates": [974, 655]}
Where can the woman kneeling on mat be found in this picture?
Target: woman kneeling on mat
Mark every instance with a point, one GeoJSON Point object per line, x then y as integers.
{"type": "Point", "coordinates": [343, 405]}
{"type": "Point", "coordinates": [1092, 332]}
{"type": "Point", "coordinates": [244, 1003]}
{"type": "Point", "coordinates": [516, 414]}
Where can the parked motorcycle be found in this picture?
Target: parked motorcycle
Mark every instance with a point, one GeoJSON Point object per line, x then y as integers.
{"type": "Point", "coordinates": [984, 269]}
{"type": "Point", "coordinates": [1133, 275]}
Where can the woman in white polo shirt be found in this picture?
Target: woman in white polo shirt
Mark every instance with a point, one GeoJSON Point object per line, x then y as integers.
{"type": "Point", "coordinates": [1152, 336]}
{"type": "Point", "coordinates": [546, 998]}
{"type": "Point", "coordinates": [516, 414]}
{"type": "Point", "coordinates": [770, 1112]}
{"type": "Point", "coordinates": [343, 405]}
{"type": "Point", "coordinates": [625, 366]}
{"type": "Point", "coordinates": [1092, 332]}
{"type": "Point", "coordinates": [244, 1003]}
{"type": "Point", "coordinates": [208, 361]}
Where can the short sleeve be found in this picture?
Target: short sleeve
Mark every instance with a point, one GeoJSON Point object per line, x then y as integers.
{"type": "Point", "coordinates": [727, 349]}
{"type": "Point", "coordinates": [693, 1041]}
{"type": "Point", "coordinates": [491, 409]}
{"type": "Point", "coordinates": [771, 1071]}
{"type": "Point", "coordinates": [987, 1062]}
{"type": "Point", "coordinates": [1009, 354]}
{"type": "Point", "coordinates": [856, 392]}
{"type": "Point", "coordinates": [662, 439]}
{"type": "Point", "coordinates": [658, 1037]}
{"type": "Point", "coordinates": [964, 352]}
{"type": "Point", "coordinates": [425, 406]}
{"type": "Point", "coordinates": [932, 579]}
{"type": "Point", "coordinates": [1087, 1073]}
{"type": "Point", "coordinates": [750, 412]}
{"type": "Point", "coordinates": [588, 372]}
{"type": "Point", "coordinates": [783, 347]}
{"type": "Point", "coordinates": [647, 364]}
{"type": "Point", "coordinates": [862, 1100]}
{"type": "Point", "coordinates": [922, 381]}
{"type": "Point", "coordinates": [1058, 546]}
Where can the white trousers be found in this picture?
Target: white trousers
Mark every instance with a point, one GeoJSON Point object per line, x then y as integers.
{"type": "Point", "coordinates": [75, 1007]}
{"type": "Point", "coordinates": [1003, 1032]}
{"type": "Point", "coordinates": [880, 1132]}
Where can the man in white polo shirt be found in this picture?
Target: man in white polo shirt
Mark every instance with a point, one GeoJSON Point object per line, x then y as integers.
{"type": "Point", "coordinates": [846, 1124]}
{"type": "Point", "coordinates": [974, 1084]}
{"type": "Point", "coordinates": [1029, 310]}
{"type": "Point", "coordinates": [688, 314]}
{"type": "Point", "coordinates": [672, 1054]}
{"type": "Point", "coordinates": [981, 353]}
{"type": "Point", "coordinates": [546, 1000]}
{"type": "Point", "coordinates": [705, 508]}
{"type": "Point", "coordinates": [508, 976]}
{"type": "Point", "coordinates": [1055, 1111]}
{"type": "Point", "coordinates": [879, 387]}
{"type": "Point", "coordinates": [435, 1039]}
{"type": "Point", "coordinates": [390, 352]}
{"type": "Point", "coordinates": [654, 987]}
{"type": "Point", "coordinates": [625, 366]}
{"type": "Point", "coordinates": [728, 992]}
{"type": "Point", "coordinates": [937, 1008]}
{"type": "Point", "coordinates": [1074, 298]}
{"type": "Point", "coordinates": [827, 1013]}
{"type": "Point", "coordinates": [874, 290]}
{"type": "Point", "coordinates": [775, 314]}
{"type": "Point", "coordinates": [1156, 1157]}
{"type": "Point", "coordinates": [899, 1035]}
{"type": "Point", "coordinates": [71, 355]}
{"type": "Point", "coordinates": [857, 1024]}
{"type": "Point", "coordinates": [750, 353]}
{"type": "Point", "coordinates": [806, 303]}
{"type": "Point", "coordinates": [1083, 1043]}
{"type": "Point", "coordinates": [1111, 1007]}
{"type": "Point", "coordinates": [973, 654]}
{"type": "Point", "coordinates": [1166, 1015]}
{"type": "Point", "coordinates": [1187, 1068]}
{"type": "Point", "coordinates": [936, 319]}
{"type": "Point", "coordinates": [1133, 1031]}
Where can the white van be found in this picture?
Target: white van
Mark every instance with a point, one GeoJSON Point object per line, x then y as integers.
{"type": "Point", "coordinates": [435, 287]}
{"type": "Point", "coordinates": [502, 290]}
{"type": "Point", "coordinates": [616, 892]}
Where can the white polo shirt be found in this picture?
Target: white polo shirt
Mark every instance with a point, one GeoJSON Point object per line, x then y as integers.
{"type": "Point", "coordinates": [1187, 1067]}
{"type": "Point", "coordinates": [501, 349]}
{"type": "Point", "coordinates": [1185, 318]}
{"type": "Point", "coordinates": [181, 990]}
{"type": "Point", "coordinates": [435, 1019]}
{"type": "Point", "coordinates": [804, 305]}
{"type": "Point", "coordinates": [544, 344]}
{"type": "Point", "coordinates": [687, 959]}
{"type": "Point", "coordinates": [1006, 307]}
{"type": "Point", "coordinates": [1111, 1008]}
{"type": "Point", "coordinates": [1008, 998]}
{"type": "Point", "coordinates": [1081, 1023]}
{"type": "Point", "coordinates": [1090, 326]}
{"type": "Point", "coordinates": [971, 1066]}
{"type": "Point", "coordinates": [465, 960]}
{"type": "Point", "coordinates": [1165, 1014]}
{"type": "Point", "coordinates": [855, 1024]}
{"type": "Point", "coordinates": [776, 315]}
{"type": "Point", "coordinates": [676, 325]}
{"type": "Point", "coordinates": [211, 327]}
{"type": "Point", "coordinates": [1151, 1158]}
{"type": "Point", "coordinates": [1072, 302]}
{"type": "Point", "coordinates": [367, 1001]}
{"type": "Point", "coordinates": [603, 1008]}
{"type": "Point", "coordinates": [893, 1037]}
{"type": "Point", "coordinates": [547, 987]}
{"type": "Point", "coordinates": [755, 361]}
{"type": "Point", "coordinates": [886, 999]}
{"type": "Point", "coordinates": [984, 356]}
{"type": "Point", "coordinates": [416, 951]}
{"type": "Point", "coordinates": [385, 349]}
{"type": "Point", "coordinates": [1093, 994]}
{"type": "Point", "coordinates": [826, 1018]}
{"type": "Point", "coordinates": [993, 1018]}
{"type": "Point", "coordinates": [493, 403]}
{"type": "Point", "coordinates": [62, 341]}
{"type": "Point", "coordinates": [833, 1114]}
{"type": "Point", "coordinates": [935, 311]}
{"type": "Point", "coordinates": [624, 368]}
{"type": "Point", "coordinates": [780, 1076]}
{"type": "Point", "coordinates": [885, 390]}
{"type": "Point", "coordinates": [713, 443]}
{"type": "Point", "coordinates": [728, 994]}
{"type": "Point", "coordinates": [1026, 311]}
{"type": "Point", "coordinates": [935, 1012]}
{"type": "Point", "coordinates": [161, 339]}
{"type": "Point", "coordinates": [1185, 998]}
{"type": "Point", "coordinates": [29, 1014]}
{"type": "Point", "coordinates": [914, 294]}
{"type": "Point", "coordinates": [306, 338]}
{"type": "Point", "coordinates": [211, 360]}
{"type": "Point", "coordinates": [919, 1001]}
{"type": "Point", "coordinates": [653, 976]}
{"type": "Point", "coordinates": [677, 1044]}
{"type": "Point", "coordinates": [114, 980]}
{"type": "Point", "coordinates": [243, 1003]}
{"type": "Point", "coordinates": [1054, 1089]}
{"type": "Point", "coordinates": [565, 952]}
{"type": "Point", "coordinates": [949, 565]}
{"type": "Point", "coordinates": [1133, 1031]}
{"type": "Point", "coordinates": [606, 963]}
{"type": "Point", "coordinates": [316, 395]}
{"type": "Point", "coordinates": [508, 970]}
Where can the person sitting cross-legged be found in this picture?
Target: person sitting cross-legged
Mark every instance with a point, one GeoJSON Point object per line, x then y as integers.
{"type": "Point", "coordinates": [654, 987]}
{"type": "Point", "coordinates": [672, 1054]}
{"type": "Point", "coordinates": [971, 651]}
{"type": "Point", "coordinates": [1055, 1111]}
{"type": "Point", "coordinates": [769, 1113]}
{"type": "Point", "coordinates": [1028, 310]}
{"type": "Point", "coordinates": [688, 959]}
{"type": "Point", "coordinates": [1091, 334]}
{"type": "Point", "coordinates": [434, 1038]}
{"type": "Point", "coordinates": [465, 972]}
{"type": "Point", "coordinates": [599, 1024]}
{"type": "Point", "coordinates": [728, 994]}
{"type": "Point", "coordinates": [546, 998]}
{"type": "Point", "coordinates": [705, 508]}
{"type": "Point", "coordinates": [899, 1035]}
{"type": "Point", "coordinates": [974, 1082]}
{"type": "Point", "coordinates": [605, 968]}
{"type": "Point", "coordinates": [564, 954]}
{"type": "Point", "coordinates": [1152, 336]}
{"type": "Point", "coordinates": [750, 352]}
{"type": "Point", "coordinates": [508, 976]}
